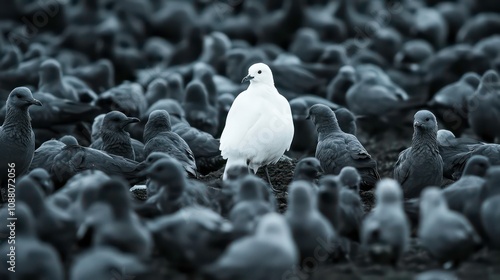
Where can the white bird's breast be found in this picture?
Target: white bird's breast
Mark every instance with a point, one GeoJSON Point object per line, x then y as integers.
{"type": "Point", "coordinates": [259, 126]}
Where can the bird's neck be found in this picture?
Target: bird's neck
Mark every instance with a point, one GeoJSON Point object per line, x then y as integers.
{"type": "Point", "coordinates": [267, 87]}
{"type": "Point", "coordinates": [115, 136]}
{"type": "Point", "coordinates": [17, 123]}
{"type": "Point", "coordinates": [424, 139]}
{"type": "Point", "coordinates": [326, 128]}
{"type": "Point", "coordinates": [152, 131]}
{"type": "Point", "coordinates": [120, 138]}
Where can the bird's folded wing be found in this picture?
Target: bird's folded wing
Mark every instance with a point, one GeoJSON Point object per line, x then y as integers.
{"type": "Point", "coordinates": [201, 143]}
{"type": "Point", "coordinates": [240, 119]}
{"type": "Point", "coordinates": [402, 167]}
{"type": "Point", "coordinates": [356, 150]}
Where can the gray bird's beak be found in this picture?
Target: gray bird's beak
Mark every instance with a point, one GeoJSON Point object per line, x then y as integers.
{"type": "Point", "coordinates": [247, 79]}
{"type": "Point", "coordinates": [417, 124]}
{"type": "Point", "coordinates": [144, 172]}
{"type": "Point", "coordinates": [35, 102]}
{"type": "Point", "coordinates": [133, 120]}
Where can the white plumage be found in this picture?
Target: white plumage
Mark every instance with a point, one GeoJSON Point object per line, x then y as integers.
{"type": "Point", "coordinates": [259, 126]}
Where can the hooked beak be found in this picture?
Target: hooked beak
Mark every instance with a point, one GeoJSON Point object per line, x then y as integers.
{"type": "Point", "coordinates": [146, 170]}
{"type": "Point", "coordinates": [247, 79]}
{"type": "Point", "coordinates": [142, 167]}
{"type": "Point", "coordinates": [35, 102]}
{"type": "Point", "coordinates": [133, 120]}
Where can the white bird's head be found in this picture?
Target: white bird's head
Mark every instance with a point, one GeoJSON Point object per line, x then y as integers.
{"type": "Point", "coordinates": [259, 73]}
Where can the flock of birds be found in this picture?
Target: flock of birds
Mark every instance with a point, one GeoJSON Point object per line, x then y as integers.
{"type": "Point", "coordinates": [115, 113]}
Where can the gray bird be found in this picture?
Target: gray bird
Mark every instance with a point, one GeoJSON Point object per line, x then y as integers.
{"type": "Point", "coordinates": [308, 169]}
{"type": "Point", "coordinates": [52, 81]}
{"type": "Point", "coordinates": [446, 234]}
{"type": "Point", "coordinates": [339, 86]}
{"type": "Point", "coordinates": [127, 98]}
{"type": "Point", "coordinates": [199, 112]}
{"type": "Point", "coordinates": [350, 178]}
{"type": "Point", "coordinates": [309, 227]}
{"type": "Point", "coordinates": [490, 212]}
{"type": "Point", "coordinates": [413, 53]}
{"type": "Point", "coordinates": [305, 137]}
{"type": "Point", "coordinates": [329, 199]}
{"type": "Point", "coordinates": [450, 103]}
{"type": "Point", "coordinates": [44, 155]}
{"type": "Point", "coordinates": [175, 87]}
{"type": "Point", "coordinates": [114, 139]}
{"type": "Point", "coordinates": [151, 186]}
{"type": "Point", "coordinates": [473, 175]}
{"type": "Point", "coordinates": [204, 146]}
{"type": "Point", "coordinates": [455, 152]}
{"type": "Point", "coordinates": [463, 196]}
{"type": "Point", "coordinates": [420, 165]}
{"type": "Point", "coordinates": [205, 74]}
{"type": "Point", "coordinates": [347, 121]}
{"type": "Point", "coordinates": [96, 127]}
{"type": "Point", "coordinates": [337, 149]}
{"type": "Point", "coordinates": [99, 75]}
{"type": "Point", "coordinates": [124, 232]}
{"type": "Point", "coordinates": [42, 178]}
{"type": "Point", "coordinates": [97, 142]}
{"type": "Point", "coordinates": [385, 232]}
{"type": "Point", "coordinates": [173, 107]}
{"type": "Point", "coordinates": [159, 137]}
{"type": "Point", "coordinates": [104, 263]}
{"type": "Point", "coordinates": [484, 107]}
{"type": "Point", "coordinates": [52, 225]}
{"type": "Point", "coordinates": [374, 94]}
{"type": "Point", "coordinates": [17, 140]}
{"type": "Point", "coordinates": [351, 211]}
{"type": "Point", "coordinates": [257, 183]}
{"type": "Point", "coordinates": [224, 102]}
{"type": "Point", "coordinates": [47, 265]}
{"type": "Point", "coordinates": [73, 158]}
{"type": "Point", "coordinates": [230, 187]}
{"type": "Point", "coordinates": [250, 206]}
{"type": "Point", "coordinates": [176, 191]}
{"type": "Point", "coordinates": [57, 111]}
{"type": "Point", "coordinates": [247, 258]}
{"type": "Point", "coordinates": [157, 90]}
{"type": "Point", "coordinates": [191, 237]}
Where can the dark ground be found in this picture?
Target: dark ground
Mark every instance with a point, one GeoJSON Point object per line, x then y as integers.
{"type": "Point", "coordinates": [385, 148]}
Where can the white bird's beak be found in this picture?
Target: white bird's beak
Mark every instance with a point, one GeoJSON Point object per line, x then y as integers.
{"type": "Point", "coordinates": [247, 78]}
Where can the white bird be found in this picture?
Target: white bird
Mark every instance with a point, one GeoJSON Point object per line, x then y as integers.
{"type": "Point", "coordinates": [259, 126]}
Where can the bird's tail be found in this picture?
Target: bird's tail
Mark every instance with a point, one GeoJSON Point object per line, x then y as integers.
{"type": "Point", "coordinates": [233, 162]}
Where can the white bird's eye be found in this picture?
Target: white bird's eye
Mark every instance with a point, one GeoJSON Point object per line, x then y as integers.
{"type": "Point", "coordinates": [259, 71]}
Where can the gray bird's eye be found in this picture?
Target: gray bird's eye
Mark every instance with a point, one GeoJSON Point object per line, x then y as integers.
{"type": "Point", "coordinates": [427, 119]}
